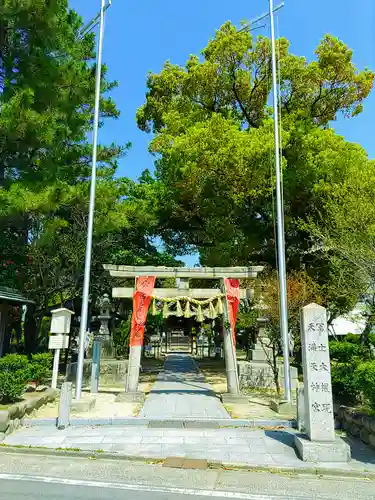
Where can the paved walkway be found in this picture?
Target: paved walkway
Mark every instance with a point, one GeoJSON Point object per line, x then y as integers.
{"type": "Point", "coordinates": [181, 391]}
{"type": "Point", "coordinates": [252, 447]}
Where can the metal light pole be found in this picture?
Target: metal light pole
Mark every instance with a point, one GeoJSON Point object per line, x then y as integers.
{"type": "Point", "coordinates": [280, 222]}
{"type": "Point", "coordinates": [86, 283]}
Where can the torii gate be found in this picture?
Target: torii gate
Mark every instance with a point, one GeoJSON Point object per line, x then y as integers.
{"type": "Point", "coordinates": [145, 277]}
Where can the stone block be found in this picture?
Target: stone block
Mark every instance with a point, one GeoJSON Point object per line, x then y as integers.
{"type": "Point", "coordinates": [30, 405]}
{"type": "Point", "coordinates": [2, 436]}
{"type": "Point", "coordinates": [372, 440]}
{"type": "Point", "coordinates": [260, 354]}
{"type": "Point", "coordinates": [365, 436]}
{"type": "Point", "coordinates": [283, 407]}
{"type": "Point", "coordinates": [40, 402]}
{"type": "Point", "coordinates": [22, 409]}
{"type": "Point", "coordinates": [322, 451]}
{"type": "Point", "coordinates": [131, 397]}
{"type": "Point", "coordinates": [10, 428]}
{"type": "Point", "coordinates": [41, 388]}
{"type": "Point", "coordinates": [229, 399]}
{"type": "Point", "coordinates": [259, 374]}
{"type": "Point", "coordinates": [112, 372]}
{"type": "Point", "coordinates": [84, 405]}
{"type": "Point", "coordinates": [14, 410]}
{"type": "Point", "coordinates": [50, 394]}
{"type": "Point", "coordinates": [366, 422]}
{"type": "Point", "coordinates": [4, 420]}
{"type": "Point", "coordinates": [355, 430]}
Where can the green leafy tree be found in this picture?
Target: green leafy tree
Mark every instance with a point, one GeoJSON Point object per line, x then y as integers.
{"type": "Point", "coordinates": [47, 82]}
{"type": "Point", "coordinates": [47, 79]}
{"type": "Point", "coordinates": [213, 140]}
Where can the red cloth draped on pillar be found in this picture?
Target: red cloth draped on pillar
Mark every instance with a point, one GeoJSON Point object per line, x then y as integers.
{"type": "Point", "coordinates": [232, 290]}
{"type": "Point", "coordinates": [141, 302]}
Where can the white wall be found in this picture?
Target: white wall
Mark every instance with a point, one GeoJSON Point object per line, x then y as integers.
{"type": "Point", "coordinates": [353, 322]}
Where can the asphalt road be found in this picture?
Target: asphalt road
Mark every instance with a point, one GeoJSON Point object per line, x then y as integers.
{"type": "Point", "coordinates": [32, 477]}
{"type": "Point", "coordinates": [31, 490]}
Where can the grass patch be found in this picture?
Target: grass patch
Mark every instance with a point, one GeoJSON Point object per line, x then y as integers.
{"type": "Point", "coordinates": [22, 446]}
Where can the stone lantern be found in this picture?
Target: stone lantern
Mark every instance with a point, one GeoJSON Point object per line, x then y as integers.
{"type": "Point", "coordinates": [104, 335]}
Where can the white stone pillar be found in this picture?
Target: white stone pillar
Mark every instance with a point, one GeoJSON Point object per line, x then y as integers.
{"type": "Point", "coordinates": [320, 444]}
{"type": "Point", "coordinates": [55, 369]}
{"type": "Point", "coordinates": [319, 420]}
{"type": "Point", "coordinates": [133, 368]}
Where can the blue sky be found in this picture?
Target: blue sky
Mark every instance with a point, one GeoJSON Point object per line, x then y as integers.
{"type": "Point", "coordinates": [141, 34]}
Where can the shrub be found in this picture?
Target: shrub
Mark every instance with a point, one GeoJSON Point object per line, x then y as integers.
{"type": "Point", "coordinates": [345, 386]}
{"type": "Point", "coordinates": [40, 367]}
{"type": "Point", "coordinates": [12, 386]}
{"type": "Point", "coordinates": [14, 373]}
{"type": "Point", "coordinates": [371, 339]}
{"type": "Point", "coordinates": [13, 362]}
{"type": "Point", "coordinates": [353, 338]}
{"type": "Point", "coordinates": [365, 380]}
{"type": "Point", "coordinates": [346, 352]}
{"type": "Point", "coordinates": [44, 359]}
{"type": "Point", "coordinates": [346, 355]}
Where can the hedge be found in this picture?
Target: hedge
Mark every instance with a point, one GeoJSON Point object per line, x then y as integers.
{"type": "Point", "coordinates": [16, 370]}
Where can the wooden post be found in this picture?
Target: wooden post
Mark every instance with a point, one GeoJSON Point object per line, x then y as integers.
{"type": "Point", "coordinates": [55, 370]}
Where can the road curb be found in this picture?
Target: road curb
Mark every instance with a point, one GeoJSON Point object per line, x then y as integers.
{"type": "Point", "coordinates": [213, 464]}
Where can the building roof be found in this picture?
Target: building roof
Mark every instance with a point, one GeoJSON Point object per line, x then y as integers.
{"type": "Point", "coordinates": [13, 296]}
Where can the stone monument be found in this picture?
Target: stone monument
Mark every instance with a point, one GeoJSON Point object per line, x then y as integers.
{"type": "Point", "coordinates": [258, 371]}
{"type": "Point", "coordinates": [320, 443]}
{"type": "Point", "coordinates": [102, 362]}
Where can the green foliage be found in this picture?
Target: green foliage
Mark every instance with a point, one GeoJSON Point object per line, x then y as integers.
{"type": "Point", "coordinates": [345, 386]}
{"type": "Point", "coordinates": [365, 380]}
{"type": "Point", "coordinates": [371, 339]}
{"type": "Point", "coordinates": [14, 373]}
{"type": "Point", "coordinates": [47, 71]}
{"type": "Point", "coordinates": [346, 357]}
{"type": "Point", "coordinates": [121, 335]}
{"type": "Point", "coordinates": [40, 367]}
{"type": "Point", "coordinates": [345, 352]}
{"type": "Point", "coordinates": [12, 386]}
{"type": "Point", "coordinates": [16, 370]}
{"type": "Point", "coordinates": [213, 136]}
{"type": "Point", "coordinates": [13, 363]}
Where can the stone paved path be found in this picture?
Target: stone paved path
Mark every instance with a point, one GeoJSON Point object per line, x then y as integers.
{"type": "Point", "coordinates": [241, 446]}
{"type": "Point", "coordinates": [181, 391]}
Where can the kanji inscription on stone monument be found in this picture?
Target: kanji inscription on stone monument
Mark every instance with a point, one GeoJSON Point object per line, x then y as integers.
{"type": "Point", "coordinates": [319, 418]}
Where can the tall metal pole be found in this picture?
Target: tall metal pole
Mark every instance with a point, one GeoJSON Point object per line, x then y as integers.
{"type": "Point", "coordinates": [280, 223]}
{"type": "Point", "coordinates": [86, 283]}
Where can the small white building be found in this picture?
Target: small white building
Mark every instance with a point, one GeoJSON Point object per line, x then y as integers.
{"type": "Point", "coordinates": [353, 322]}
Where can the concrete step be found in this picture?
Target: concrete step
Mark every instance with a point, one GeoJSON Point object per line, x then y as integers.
{"type": "Point", "coordinates": [168, 423]}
